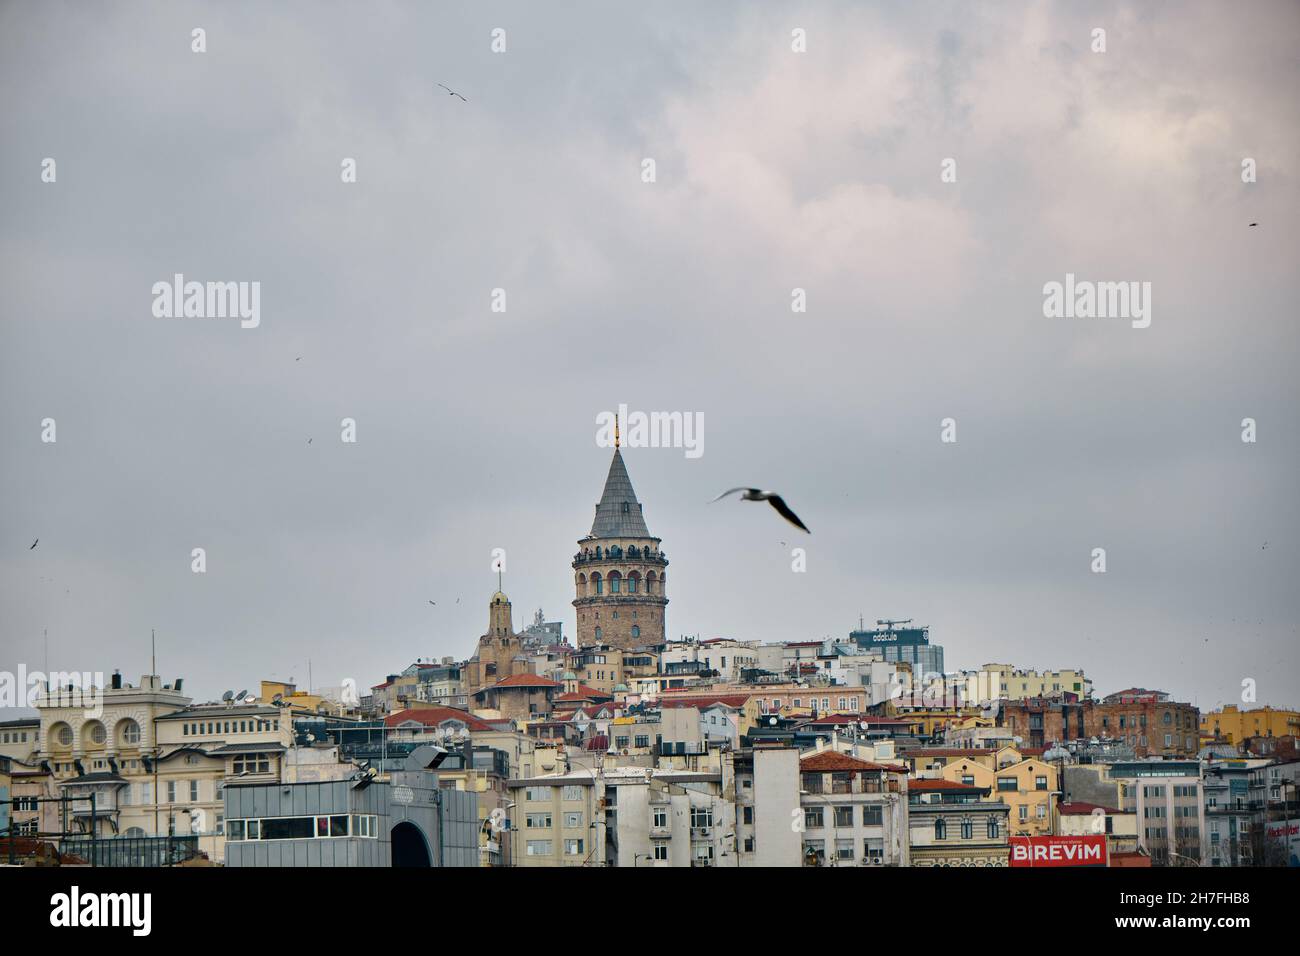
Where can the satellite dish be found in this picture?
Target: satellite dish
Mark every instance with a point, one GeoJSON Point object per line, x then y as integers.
{"type": "Point", "coordinates": [250, 699]}
{"type": "Point", "coordinates": [228, 696]}
{"type": "Point", "coordinates": [276, 698]}
{"type": "Point", "coordinates": [241, 695]}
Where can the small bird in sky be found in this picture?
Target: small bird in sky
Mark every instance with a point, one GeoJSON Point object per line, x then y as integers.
{"type": "Point", "coordinates": [308, 441]}
{"type": "Point", "coordinates": [1264, 547]}
{"type": "Point", "coordinates": [772, 498]}
{"type": "Point", "coordinates": [1254, 224]}
{"type": "Point", "coordinates": [451, 92]}
{"type": "Point", "coordinates": [298, 359]}
{"type": "Point", "coordinates": [434, 603]}
{"type": "Point", "coordinates": [35, 543]}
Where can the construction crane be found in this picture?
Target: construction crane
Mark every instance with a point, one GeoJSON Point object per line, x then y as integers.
{"type": "Point", "coordinates": [889, 625]}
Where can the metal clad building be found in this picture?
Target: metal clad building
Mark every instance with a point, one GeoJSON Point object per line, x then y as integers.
{"type": "Point", "coordinates": [409, 821]}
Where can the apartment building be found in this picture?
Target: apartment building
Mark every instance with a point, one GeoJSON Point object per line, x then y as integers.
{"type": "Point", "coordinates": [955, 824]}
{"type": "Point", "coordinates": [854, 811]}
{"type": "Point", "coordinates": [1029, 788]}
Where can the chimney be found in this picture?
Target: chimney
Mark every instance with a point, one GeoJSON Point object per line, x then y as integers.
{"type": "Point", "coordinates": [117, 680]}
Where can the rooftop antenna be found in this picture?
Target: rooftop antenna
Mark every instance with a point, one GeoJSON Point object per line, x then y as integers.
{"type": "Point", "coordinates": [153, 652]}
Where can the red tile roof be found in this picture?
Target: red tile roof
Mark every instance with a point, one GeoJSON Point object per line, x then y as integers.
{"type": "Point", "coordinates": [1081, 809]}
{"type": "Point", "coordinates": [436, 716]}
{"type": "Point", "coordinates": [923, 784]}
{"type": "Point", "coordinates": [734, 701]}
{"type": "Point", "coordinates": [830, 760]}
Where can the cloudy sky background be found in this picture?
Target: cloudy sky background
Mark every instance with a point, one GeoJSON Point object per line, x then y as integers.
{"type": "Point", "coordinates": [775, 170]}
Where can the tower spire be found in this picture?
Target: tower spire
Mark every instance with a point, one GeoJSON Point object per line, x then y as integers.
{"type": "Point", "coordinates": [616, 431]}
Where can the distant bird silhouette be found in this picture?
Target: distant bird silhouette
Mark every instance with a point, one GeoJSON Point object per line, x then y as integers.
{"type": "Point", "coordinates": [1264, 547]}
{"type": "Point", "coordinates": [772, 498]}
{"type": "Point", "coordinates": [1254, 224]}
{"type": "Point", "coordinates": [298, 359]}
{"type": "Point", "coordinates": [35, 543]}
{"type": "Point", "coordinates": [451, 92]}
{"type": "Point", "coordinates": [308, 441]}
{"type": "Point", "coordinates": [434, 603]}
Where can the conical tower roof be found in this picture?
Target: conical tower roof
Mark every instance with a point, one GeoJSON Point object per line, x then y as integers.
{"type": "Point", "coordinates": [619, 513]}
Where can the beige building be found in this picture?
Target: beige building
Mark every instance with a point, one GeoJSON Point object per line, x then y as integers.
{"type": "Point", "coordinates": [1005, 682]}
{"type": "Point", "coordinates": [1029, 789]}
{"type": "Point", "coordinates": [154, 764]}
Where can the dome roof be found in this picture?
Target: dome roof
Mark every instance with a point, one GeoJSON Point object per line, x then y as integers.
{"type": "Point", "coordinates": [618, 687]}
{"type": "Point", "coordinates": [569, 675]}
{"type": "Point", "coordinates": [500, 598]}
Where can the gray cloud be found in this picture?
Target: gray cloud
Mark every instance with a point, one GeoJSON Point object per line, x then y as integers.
{"type": "Point", "coordinates": [775, 170]}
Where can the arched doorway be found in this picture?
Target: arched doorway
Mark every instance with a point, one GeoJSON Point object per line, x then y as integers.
{"type": "Point", "coordinates": [408, 846]}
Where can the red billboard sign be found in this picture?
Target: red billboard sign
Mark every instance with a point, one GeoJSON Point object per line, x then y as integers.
{"type": "Point", "coordinates": [1089, 850]}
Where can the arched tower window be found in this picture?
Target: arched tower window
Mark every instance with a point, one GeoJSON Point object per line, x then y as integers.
{"type": "Point", "coordinates": [615, 579]}
{"type": "Point", "coordinates": [597, 634]}
{"type": "Point", "coordinates": [650, 583]}
{"type": "Point", "coordinates": [599, 584]}
{"type": "Point", "coordinates": [582, 585]}
{"type": "Point", "coordinates": [633, 582]}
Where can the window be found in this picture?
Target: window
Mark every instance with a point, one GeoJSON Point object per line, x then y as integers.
{"type": "Point", "coordinates": [537, 793]}
{"type": "Point", "coordinates": [940, 830]}
{"type": "Point", "coordinates": [701, 817]}
{"type": "Point", "coordinates": [1040, 783]}
{"type": "Point", "coordinates": [129, 732]}
{"type": "Point", "coordinates": [661, 851]}
{"type": "Point", "coordinates": [636, 629]}
{"type": "Point", "coordinates": [365, 825]}
{"type": "Point", "coordinates": [872, 816]}
{"type": "Point", "coordinates": [812, 818]}
{"type": "Point", "coordinates": [64, 735]}
{"type": "Point", "coordinates": [571, 793]}
{"type": "Point", "coordinates": [171, 791]}
{"type": "Point", "coordinates": [659, 819]}
{"type": "Point", "coordinates": [1024, 813]}
{"type": "Point", "coordinates": [844, 850]}
{"type": "Point", "coordinates": [968, 829]}
{"type": "Point", "coordinates": [536, 821]}
{"type": "Point", "coordinates": [844, 817]}
{"type": "Point", "coordinates": [993, 828]}
{"type": "Point", "coordinates": [194, 791]}
{"type": "Point", "coordinates": [747, 815]}
{"type": "Point", "coordinates": [539, 847]}
{"type": "Point", "coordinates": [1007, 784]}
{"type": "Point", "coordinates": [573, 848]}
{"type": "Point", "coordinates": [252, 763]}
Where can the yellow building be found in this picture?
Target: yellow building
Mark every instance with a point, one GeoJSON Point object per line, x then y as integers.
{"type": "Point", "coordinates": [1234, 725]}
{"type": "Point", "coordinates": [1028, 787]}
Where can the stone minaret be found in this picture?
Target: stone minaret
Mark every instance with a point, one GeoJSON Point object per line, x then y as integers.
{"type": "Point", "coordinates": [619, 570]}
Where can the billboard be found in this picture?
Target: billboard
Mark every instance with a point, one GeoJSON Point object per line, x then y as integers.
{"type": "Point", "coordinates": [1285, 833]}
{"type": "Point", "coordinates": [1084, 850]}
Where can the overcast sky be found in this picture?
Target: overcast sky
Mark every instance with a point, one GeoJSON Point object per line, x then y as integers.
{"type": "Point", "coordinates": [775, 170]}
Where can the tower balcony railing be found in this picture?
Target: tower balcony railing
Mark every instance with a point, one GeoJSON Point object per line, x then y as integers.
{"type": "Point", "coordinates": [640, 597]}
{"type": "Point", "coordinates": [587, 557]}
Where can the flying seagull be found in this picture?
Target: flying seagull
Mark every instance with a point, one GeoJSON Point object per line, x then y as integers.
{"type": "Point", "coordinates": [772, 498]}
{"type": "Point", "coordinates": [1254, 224]}
{"type": "Point", "coordinates": [308, 441]}
{"type": "Point", "coordinates": [451, 92]}
{"type": "Point", "coordinates": [35, 543]}
{"type": "Point", "coordinates": [434, 603]}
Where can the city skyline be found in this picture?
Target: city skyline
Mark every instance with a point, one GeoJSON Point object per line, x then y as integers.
{"type": "Point", "coordinates": [777, 172]}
